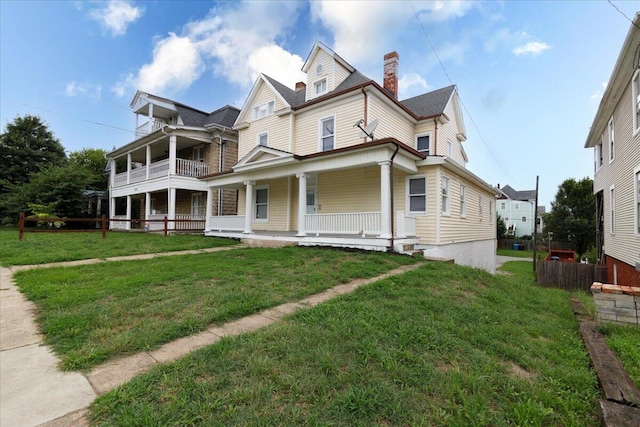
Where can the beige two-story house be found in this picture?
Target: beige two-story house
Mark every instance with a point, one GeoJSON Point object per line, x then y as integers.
{"type": "Point", "coordinates": [155, 176]}
{"type": "Point", "coordinates": [340, 161]}
{"type": "Point", "coordinates": [615, 138]}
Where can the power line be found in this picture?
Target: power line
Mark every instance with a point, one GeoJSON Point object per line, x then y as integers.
{"type": "Point", "coordinates": [623, 14]}
{"type": "Point", "coordinates": [424, 31]}
{"type": "Point", "coordinates": [70, 116]}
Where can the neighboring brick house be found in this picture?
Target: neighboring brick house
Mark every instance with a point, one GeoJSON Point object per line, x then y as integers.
{"type": "Point", "coordinates": [517, 209]}
{"type": "Point", "coordinates": [156, 175]}
{"type": "Point", "coordinates": [615, 138]}
{"type": "Point", "coordinates": [308, 175]}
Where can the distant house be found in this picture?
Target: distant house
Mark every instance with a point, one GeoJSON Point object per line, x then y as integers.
{"type": "Point", "coordinates": [517, 209]}
{"type": "Point", "coordinates": [156, 175]}
{"type": "Point", "coordinates": [615, 138]}
{"type": "Point", "coordinates": [308, 175]}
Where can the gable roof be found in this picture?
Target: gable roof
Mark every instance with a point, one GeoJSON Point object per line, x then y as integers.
{"type": "Point", "coordinates": [431, 103]}
{"type": "Point", "coordinates": [317, 46]}
{"type": "Point", "coordinates": [224, 116]}
{"type": "Point", "coordinates": [525, 195]}
{"type": "Point", "coordinates": [292, 97]}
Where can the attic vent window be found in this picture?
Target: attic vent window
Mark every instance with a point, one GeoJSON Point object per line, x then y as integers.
{"type": "Point", "coordinates": [319, 69]}
{"type": "Point", "coordinates": [320, 87]}
{"type": "Point", "coordinates": [263, 110]}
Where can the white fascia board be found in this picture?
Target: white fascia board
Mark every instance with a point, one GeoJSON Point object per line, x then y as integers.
{"type": "Point", "coordinates": [456, 168]}
{"type": "Point", "coordinates": [262, 164]}
{"type": "Point", "coordinates": [246, 108]}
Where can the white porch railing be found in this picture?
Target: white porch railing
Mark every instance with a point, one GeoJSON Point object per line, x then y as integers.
{"type": "Point", "coordinates": [191, 168]}
{"type": "Point", "coordinates": [226, 223]}
{"type": "Point", "coordinates": [343, 223]}
{"type": "Point", "coordinates": [138, 174]}
{"type": "Point", "coordinates": [182, 222]}
{"type": "Point", "coordinates": [149, 127]}
{"type": "Point", "coordinates": [159, 169]}
{"type": "Point", "coordinates": [406, 225]}
{"type": "Point", "coordinates": [118, 225]}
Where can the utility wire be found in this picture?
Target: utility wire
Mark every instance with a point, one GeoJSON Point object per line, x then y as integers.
{"type": "Point", "coordinates": [70, 116]}
{"type": "Point", "coordinates": [623, 14]}
{"type": "Point", "coordinates": [424, 31]}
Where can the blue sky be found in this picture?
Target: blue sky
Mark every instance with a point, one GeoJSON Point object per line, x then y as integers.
{"type": "Point", "coordinates": [530, 74]}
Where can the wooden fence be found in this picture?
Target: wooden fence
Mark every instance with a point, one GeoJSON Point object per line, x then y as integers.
{"type": "Point", "coordinates": [569, 275]}
{"type": "Point", "coordinates": [528, 244]}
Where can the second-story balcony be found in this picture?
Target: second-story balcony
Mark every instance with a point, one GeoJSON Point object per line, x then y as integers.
{"type": "Point", "coordinates": [148, 127]}
{"type": "Point", "coordinates": [162, 168]}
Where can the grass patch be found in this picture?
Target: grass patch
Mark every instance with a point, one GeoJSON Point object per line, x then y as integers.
{"type": "Point", "coordinates": [90, 314]}
{"type": "Point", "coordinates": [42, 248]}
{"type": "Point", "coordinates": [625, 343]}
{"type": "Point", "coordinates": [442, 345]}
{"type": "Point", "coordinates": [520, 254]}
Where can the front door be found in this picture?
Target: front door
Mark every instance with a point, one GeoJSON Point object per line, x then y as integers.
{"type": "Point", "coordinates": [311, 202]}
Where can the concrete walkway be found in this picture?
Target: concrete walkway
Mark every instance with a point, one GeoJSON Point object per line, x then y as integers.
{"type": "Point", "coordinates": [34, 392]}
{"type": "Point", "coordinates": [501, 259]}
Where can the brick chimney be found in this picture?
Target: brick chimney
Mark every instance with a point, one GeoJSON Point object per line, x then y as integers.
{"type": "Point", "coordinates": [300, 86]}
{"type": "Point", "coordinates": [391, 73]}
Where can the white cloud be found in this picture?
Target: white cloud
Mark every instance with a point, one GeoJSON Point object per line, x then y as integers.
{"type": "Point", "coordinates": [531, 48]}
{"type": "Point", "coordinates": [411, 84]}
{"type": "Point", "coordinates": [234, 41]}
{"type": "Point", "coordinates": [116, 16]}
{"type": "Point", "coordinates": [83, 89]}
{"type": "Point", "coordinates": [598, 93]}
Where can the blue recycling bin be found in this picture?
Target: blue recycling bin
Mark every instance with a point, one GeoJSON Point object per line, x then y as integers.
{"type": "Point", "coordinates": [516, 247]}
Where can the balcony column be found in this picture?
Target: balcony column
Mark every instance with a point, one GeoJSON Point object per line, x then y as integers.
{"type": "Point", "coordinates": [248, 208]}
{"type": "Point", "coordinates": [171, 205]}
{"type": "Point", "coordinates": [128, 168]}
{"type": "Point", "coordinates": [112, 173]}
{"type": "Point", "coordinates": [385, 200]}
{"type": "Point", "coordinates": [209, 212]}
{"type": "Point", "coordinates": [148, 157]}
{"type": "Point", "coordinates": [150, 113]}
{"type": "Point", "coordinates": [173, 142]}
{"type": "Point", "coordinates": [128, 224]}
{"type": "Point", "coordinates": [302, 203]}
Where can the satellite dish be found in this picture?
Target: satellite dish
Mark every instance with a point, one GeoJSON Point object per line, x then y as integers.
{"type": "Point", "coordinates": [367, 131]}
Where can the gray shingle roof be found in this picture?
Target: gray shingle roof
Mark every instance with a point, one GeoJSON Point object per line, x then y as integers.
{"type": "Point", "coordinates": [292, 97]}
{"type": "Point", "coordinates": [518, 195]}
{"type": "Point", "coordinates": [225, 116]}
{"type": "Point", "coordinates": [430, 103]}
{"type": "Point", "coordinates": [191, 116]}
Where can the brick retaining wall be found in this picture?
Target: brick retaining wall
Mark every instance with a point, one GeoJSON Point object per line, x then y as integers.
{"type": "Point", "coordinates": [616, 304]}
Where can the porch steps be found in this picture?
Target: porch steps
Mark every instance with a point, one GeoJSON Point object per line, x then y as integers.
{"type": "Point", "coordinates": [409, 249]}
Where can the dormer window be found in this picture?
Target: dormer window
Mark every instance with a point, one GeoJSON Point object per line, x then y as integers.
{"type": "Point", "coordinates": [320, 87]}
{"type": "Point", "coordinates": [263, 110]}
{"type": "Point", "coordinates": [423, 143]}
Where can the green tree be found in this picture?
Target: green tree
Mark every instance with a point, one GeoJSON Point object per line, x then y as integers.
{"type": "Point", "coordinates": [501, 227]}
{"type": "Point", "coordinates": [572, 217]}
{"type": "Point", "coordinates": [27, 146]}
{"type": "Point", "coordinates": [94, 161]}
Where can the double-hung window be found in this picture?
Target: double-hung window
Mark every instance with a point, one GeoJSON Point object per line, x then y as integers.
{"type": "Point", "coordinates": [612, 209]}
{"type": "Point", "coordinates": [263, 139]}
{"type": "Point", "coordinates": [463, 201]}
{"type": "Point", "coordinates": [611, 129]}
{"type": "Point", "coordinates": [263, 110]}
{"type": "Point", "coordinates": [417, 194]}
{"type": "Point", "coordinates": [261, 203]}
{"type": "Point", "coordinates": [327, 134]}
{"type": "Point", "coordinates": [449, 148]}
{"type": "Point", "coordinates": [197, 204]}
{"type": "Point", "coordinates": [423, 143]}
{"type": "Point", "coordinates": [635, 93]}
{"type": "Point", "coordinates": [446, 200]}
{"type": "Point", "coordinates": [320, 87]}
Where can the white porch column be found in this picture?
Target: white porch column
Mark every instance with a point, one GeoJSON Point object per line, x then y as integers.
{"type": "Point", "coordinates": [128, 168]}
{"type": "Point", "coordinates": [385, 200]}
{"type": "Point", "coordinates": [147, 205]}
{"type": "Point", "coordinates": [128, 224]}
{"type": "Point", "coordinates": [148, 157]}
{"type": "Point", "coordinates": [112, 210]}
{"type": "Point", "coordinates": [173, 142]}
{"type": "Point", "coordinates": [112, 174]}
{"type": "Point", "coordinates": [209, 212]}
{"type": "Point", "coordinates": [172, 208]}
{"type": "Point", "coordinates": [302, 203]}
{"type": "Point", "coordinates": [248, 208]}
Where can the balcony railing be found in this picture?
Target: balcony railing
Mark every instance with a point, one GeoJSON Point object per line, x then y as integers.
{"type": "Point", "coordinates": [161, 169]}
{"type": "Point", "coordinates": [343, 223]}
{"type": "Point", "coordinates": [226, 223]}
{"type": "Point", "coordinates": [149, 127]}
{"type": "Point", "coordinates": [406, 225]}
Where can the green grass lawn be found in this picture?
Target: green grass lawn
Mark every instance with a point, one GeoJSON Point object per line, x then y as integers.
{"type": "Point", "coordinates": [625, 342]}
{"type": "Point", "coordinates": [442, 345]}
{"type": "Point", "coordinates": [42, 248]}
{"type": "Point", "coordinates": [93, 313]}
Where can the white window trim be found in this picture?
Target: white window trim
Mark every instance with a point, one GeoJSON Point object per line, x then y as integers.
{"type": "Point", "coordinates": [429, 134]}
{"type": "Point", "coordinates": [255, 203]}
{"type": "Point", "coordinates": [449, 148]}
{"type": "Point", "coordinates": [202, 204]}
{"type": "Point", "coordinates": [480, 210]}
{"type": "Point", "coordinates": [318, 82]}
{"type": "Point", "coordinates": [635, 101]}
{"type": "Point", "coordinates": [611, 132]}
{"type": "Point", "coordinates": [463, 201]}
{"type": "Point", "coordinates": [446, 206]}
{"type": "Point", "coordinates": [335, 121]}
{"type": "Point", "coordinates": [255, 116]}
{"type": "Point", "coordinates": [636, 200]}
{"type": "Point", "coordinates": [612, 209]}
{"type": "Point", "coordinates": [426, 196]}
{"type": "Point", "coordinates": [491, 213]}
{"type": "Point", "coordinates": [258, 138]}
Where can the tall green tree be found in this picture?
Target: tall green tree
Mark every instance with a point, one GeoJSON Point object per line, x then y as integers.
{"type": "Point", "coordinates": [501, 227]}
{"type": "Point", "coordinates": [573, 214]}
{"type": "Point", "coordinates": [27, 146]}
{"type": "Point", "coordinates": [93, 160]}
